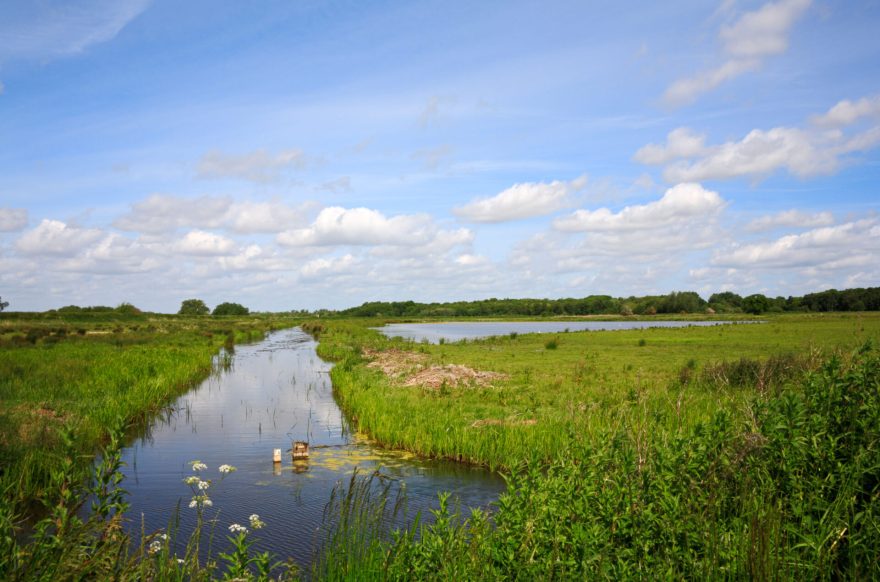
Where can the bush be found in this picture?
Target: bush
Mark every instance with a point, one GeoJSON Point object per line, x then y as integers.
{"type": "Point", "coordinates": [230, 309]}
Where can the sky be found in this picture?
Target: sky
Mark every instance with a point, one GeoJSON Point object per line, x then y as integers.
{"type": "Point", "coordinates": [304, 154]}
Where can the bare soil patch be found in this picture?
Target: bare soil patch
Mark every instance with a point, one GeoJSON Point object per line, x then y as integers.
{"type": "Point", "coordinates": [412, 369]}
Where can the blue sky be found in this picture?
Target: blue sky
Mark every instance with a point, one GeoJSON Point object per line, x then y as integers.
{"type": "Point", "coordinates": [292, 155]}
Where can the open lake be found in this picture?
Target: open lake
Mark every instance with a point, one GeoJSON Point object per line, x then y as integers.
{"type": "Point", "coordinates": [275, 391]}
{"type": "Point", "coordinates": [455, 331]}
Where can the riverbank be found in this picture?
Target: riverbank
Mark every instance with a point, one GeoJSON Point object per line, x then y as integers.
{"type": "Point", "coordinates": [65, 380]}
{"type": "Point", "coordinates": [733, 452]}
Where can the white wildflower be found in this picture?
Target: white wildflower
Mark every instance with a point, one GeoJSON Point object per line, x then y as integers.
{"type": "Point", "coordinates": [200, 500]}
{"type": "Point", "coordinates": [191, 480]}
{"type": "Point", "coordinates": [227, 469]}
{"type": "Point", "coordinates": [203, 485]}
{"type": "Point", "coordinates": [198, 466]}
{"type": "Point", "coordinates": [236, 528]}
{"type": "Point", "coordinates": [181, 561]}
{"type": "Point", "coordinates": [155, 546]}
{"type": "Point", "coordinates": [256, 522]}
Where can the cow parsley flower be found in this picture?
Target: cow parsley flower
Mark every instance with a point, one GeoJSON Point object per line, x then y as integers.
{"type": "Point", "coordinates": [226, 469]}
{"type": "Point", "coordinates": [198, 466]}
{"type": "Point", "coordinates": [237, 528]}
{"type": "Point", "coordinates": [256, 522]}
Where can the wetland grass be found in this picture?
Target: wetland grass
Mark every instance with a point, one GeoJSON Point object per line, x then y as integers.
{"type": "Point", "coordinates": [632, 471]}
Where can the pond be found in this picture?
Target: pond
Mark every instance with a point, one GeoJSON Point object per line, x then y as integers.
{"type": "Point", "coordinates": [455, 331]}
{"type": "Point", "coordinates": [275, 392]}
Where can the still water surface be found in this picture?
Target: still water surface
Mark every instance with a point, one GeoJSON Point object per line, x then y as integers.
{"type": "Point", "coordinates": [276, 391]}
{"type": "Point", "coordinates": [455, 331]}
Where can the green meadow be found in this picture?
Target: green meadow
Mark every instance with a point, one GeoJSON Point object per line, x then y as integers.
{"type": "Point", "coordinates": [733, 452]}
{"type": "Point", "coordinates": [741, 451]}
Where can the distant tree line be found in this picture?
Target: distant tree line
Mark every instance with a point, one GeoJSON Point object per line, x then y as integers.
{"type": "Point", "coordinates": [675, 302]}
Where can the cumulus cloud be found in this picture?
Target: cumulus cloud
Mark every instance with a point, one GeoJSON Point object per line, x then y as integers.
{"type": "Point", "coordinates": [831, 247]}
{"type": "Point", "coordinates": [523, 200]}
{"type": "Point", "coordinates": [325, 266]}
{"type": "Point", "coordinates": [803, 152]}
{"type": "Point", "coordinates": [790, 218]}
{"type": "Point", "coordinates": [258, 166]}
{"type": "Point", "coordinates": [847, 112]}
{"type": "Point", "coordinates": [199, 242]}
{"type": "Point", "coordinates": [680, 143]}
{"type": "Point", "coordinates": [161, 213]}
{"type": "Point", "coordinates": [12, 219]}
{"type": "Point", "coordinates": [53, 237]}
{"type": "Point", "coordinates": [680, 204]}
{"type": "Point", "coordinates": [113, 254]}
{"type": "Point", "coordinates": [747, 41]}
{"type": "Point", "coordinates": [363, 226]}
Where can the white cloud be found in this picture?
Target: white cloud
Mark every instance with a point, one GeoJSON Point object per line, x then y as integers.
{"type": "Point", "coordinates": [753, 37]}
{"type": "Point", "coordinates": [264, 217]}
{"type": "Point", "coordinates": [162, 213]}
{"type": "Point", "coordinates": [523, 200]}
{"type": "Point", "coordinates": [830, 247]}
{"type": "Point", "coordinates": [199, 242]}
{"type": "Point", "coordinates": [803, 152]}
{"type": "Point", "coordinates": [685, 91]}
{"type": "Point", "coordinates": [323, 267]}
{"type": "Point", "coordinates": [680, 204]}
{"type": "Point", "coordinates": [258, 166]}
{"type": "Point", "coordinates": [46, 30]}
{"type": "Point", "coordinates": [363, 226]}
{"type": "Point", "coordinates": [680, 143]}
{"type": "Point", "coordinates": [12, 219]}
{"type": "Point", "coordinates": [847, 112]}
{"type": "Point", "coordinates": [114, 254]}
{"type": "Point", "coordinates": [53, 237]}
{"type": "Point", "coordinates": [790, 218]}
{"type": "Point", "coordinates": [759, 154]}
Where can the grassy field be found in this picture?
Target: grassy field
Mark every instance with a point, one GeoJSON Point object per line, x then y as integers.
{"type": "Point", "coordinates": [742, 451]}
{"type": "Point", "coordinates": [571, 382]}
{"type": "Point", "coordinates": [731, 452]}
{"type": "Point", "coordinates": [73, 377]}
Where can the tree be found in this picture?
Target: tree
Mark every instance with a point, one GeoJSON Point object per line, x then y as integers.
{"type": "Point", "coordinates": [756, 304]}
{"type": "Point", "coordinates": [231, 309]}
{"type": "Point", "coordinates": [127, 309]}
{"type": "Point", "coordinates": [193, 307]}
{"type": "Point", "coordinates": [3, 304]}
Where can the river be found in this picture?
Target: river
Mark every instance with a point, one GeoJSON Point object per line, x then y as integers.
{"type": "Point", "coordinates": [274, 392]}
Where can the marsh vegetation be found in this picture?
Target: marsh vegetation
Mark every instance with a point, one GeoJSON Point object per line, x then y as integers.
{"type": "Point", "coordinates": [737, 451]}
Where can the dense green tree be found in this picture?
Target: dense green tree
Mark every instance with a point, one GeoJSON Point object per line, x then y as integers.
{"type": "Point", "coordinates": [756, 304]}
{"type": "Point", "coordinates": [725, 301]}
{"type": "Point", "coordinates": [193, 307]}
{"type": "Point", "coordinates": [231, 309]}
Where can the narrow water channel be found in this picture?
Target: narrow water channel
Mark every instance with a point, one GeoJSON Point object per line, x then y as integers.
{"type": "Point", "coordinates": [275, 391]}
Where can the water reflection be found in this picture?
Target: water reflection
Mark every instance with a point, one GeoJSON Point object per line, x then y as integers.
{"type": "Point", "coordinates": [455, 331]}
{"type": "Point", "coordinates": [269, 395]}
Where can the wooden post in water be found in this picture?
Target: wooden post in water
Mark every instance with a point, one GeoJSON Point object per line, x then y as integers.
{"type": "Point", "coordinates": [276, 456]}
{"type": "Point", "coordinates": [300, 450]}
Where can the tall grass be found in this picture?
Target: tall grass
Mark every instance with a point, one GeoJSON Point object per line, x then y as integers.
{"type": "Point", "coordinates": [85, 381]}
{"type": "Point", "coordinates": [792, 491]}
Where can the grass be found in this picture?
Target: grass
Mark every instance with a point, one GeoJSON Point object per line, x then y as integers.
{"type": "Point", "coordinates": [739, 451]}
{"type": "Point", "coordinates": [82, 373]}
{"type": "Point", "coordinates": [576, 387]}
{"type": "Point", "coordinates": [761, 461]}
